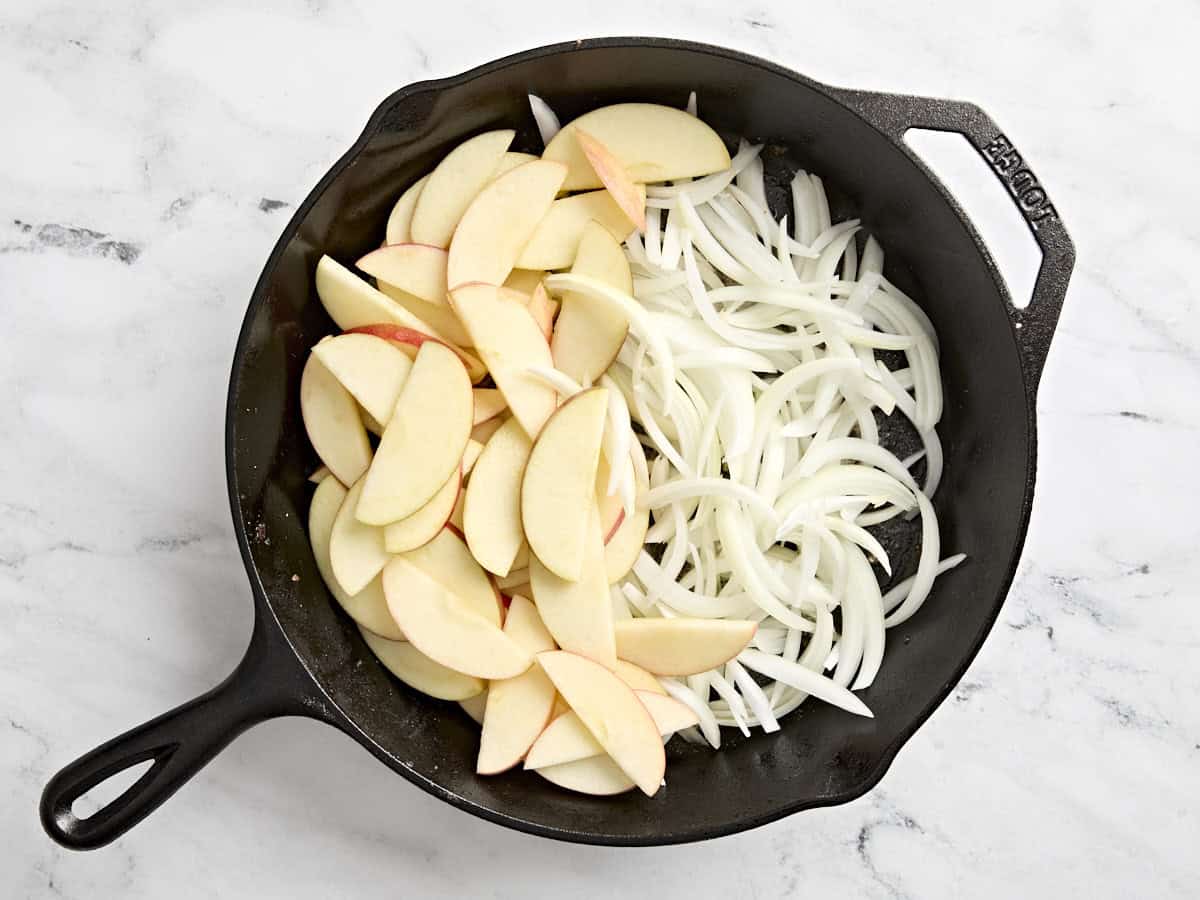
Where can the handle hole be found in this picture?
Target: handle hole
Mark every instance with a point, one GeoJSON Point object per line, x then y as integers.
{"type": "Point", "coordinates": [987, 203]}
{"type": "Point", "coordinates": [110, 789]}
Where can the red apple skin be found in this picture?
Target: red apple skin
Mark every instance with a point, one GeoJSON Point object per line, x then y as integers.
{"type": "Point", "coordinates": [615, 525]}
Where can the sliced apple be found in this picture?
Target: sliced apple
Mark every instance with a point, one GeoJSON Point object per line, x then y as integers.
{"type": "Point", "coordinates": [400, 221]}
{"type": "Point", "coordinates": [611, 711]}
{"type": "Point", "coordinates": [423, 526]}
{"type": "Point", "coordinates": [589, 334]}
{"type": "Point", "coordinates": [511, 160]}
{"type": "Point", "coordinates": [558, 489]}
{"type": "Point", "coordinates": [567, 739]}
{"type": "Point", "coordinates": [509, 341]}
{"type": "Point", "coordinates": [454, 184]}
{"type": "Point", "coordinates": [319, 474]}
{"type": "Point", "coordinates": [521, 560]}
{"type": "Point", "coordinates": [653, 143]}
{"type": "Point", "coordinates": [351, 302]}
{"type": "Point", "coordinates": [448, 561]}
{"type": "Point", "coordinates": [420, 672]}
{"type": "Point", "coordinates": [500, 221]}
{"type": "Point", "coordinates": [368, 607]}
{"type": "Point", "coordinates": [438, 315]}
{"type": "Point", "coordinates": [597, 775]}
{"type": "Point", "coordinates": [488, 402]}
{"type": "Point", "coordinates": [474, 706]}
{"type": "Point", "coordinates": [517, 708]}
{"type": "Point", "coordinates": [471, 456]}
{"type": "Point", "coordinates": [423, 441]}
{"type": "Point", "coordinates": [444, 628]}
{"type": "Point", "coordinates": [370, 422]}
{"type": "Point", "coordinates": [681, 646]}
{"type": "Point", "coordinates": [612, 513]}
{"type": "Point", "coordinates": [578, 613]}
{"type": "Point", "coordinates": [456, 517]}
{"type": "Point", "coordinates": [492, 509]}
{"type": "Point", "coordinates": [615, 178]}
{"type": "Point", "coordinates": [417, 269]}
{"type": "Point", "coordinates": [560, 707]}
{"type": "Point", "coordinates": [508, 583]}
{"type": "Point", "coordinates": [331, 420]}
{"type": "Point", "coordinates": [484, 430]}
{"type": "Point", "coordinates": [637, 677]}
{"type": "Point", "coordinates": [356, 551]}
{"type": "Point", "coordinates": [409, 342]}
{"type": "Point", "coordinates": [370, 368]}
{"type": "Point", "coordinates": [543, 310]}
{"type": "Point", "coordinates": [555, 242]}
{"type": "Point", "coordinates": [524, 280]}
{"type": "Point", "coordinates": [622, 547]}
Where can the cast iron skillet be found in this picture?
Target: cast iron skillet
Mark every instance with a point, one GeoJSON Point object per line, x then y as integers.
{"type": "Point", "coordinates": [306, 658]}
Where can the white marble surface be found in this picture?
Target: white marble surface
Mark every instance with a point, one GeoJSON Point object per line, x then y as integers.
{"type": "Point", "coordinates": [151, 154]}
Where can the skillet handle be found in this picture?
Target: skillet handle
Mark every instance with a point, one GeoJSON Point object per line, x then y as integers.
{"type": "Point", "coordinates": [268, 682]}
{"type": "Point", "coordinates": [1033, 327]}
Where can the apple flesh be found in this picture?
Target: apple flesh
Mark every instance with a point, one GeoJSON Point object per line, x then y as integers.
{"type": "Point", "coordinates": [558, 488]}
{"type": "Point", "coordinates": [420, 672]}
{"type": "Point", "coordinates": [332, 422]}
{"type": "Point", "coordinates": [454, 184]}
{"type": "Point", "coordinates": [589, 334]}
{"type": "Point", "coordinates": [444, 628]}
{"type": "Point", "coordinates": [637, 677]}
{"type": "Point", "coordinates": [524, 280]}
{"type": "Point", "coordinates": [488, 402]}
{"type": "Point", "coordinates": [399, 223]}
{"type": "Point", "coordinates": [499, 223]}
{"type": "Point", "coordinates": [470, 456]}
{"type": "Point", "coordinates": [509, 341]}
{"type": "Point", "coordinates": [448, 561]}
{"type": "Point", "coordinates": [368, 607]}
{"type": "Point", "coordinates": [517, 708]}
{"type": "Point", "coordinates": [356, 551]}
{"type": "Point", "coordinates": [475, 706]}
{"type": "Point", "coordinates": [352, 303]}
{"type": "Point", "coordinates": [543, 310]}
{"type": "Point", "coordinates": [439, 316]}
{"type": "Point", "coordinates": [409, 342]}
{"type": "Point", "coordinates": [492, 509]}
{"type": "Point", "coordinates": [681, 646]}
{"type": "Point", "coordinates": [615, 178]}
{"type": "Point", "coordinates": [611, 712]}
{"type": "Point", "coordinates": [370, 368]}
{"type": "Point", "coordinates": [416, 269]}
{"type": "Point", "coordinates": [596, 775]}
{"type": "Point", "coordinates": [622, 547]}
{"type": "Point", "coordinates": [433, 411]}
{"type": "Point", "coordinates": [555, 242]}
{"type": "Point", "coordinates": [652, 142]}
{"type": "Point", "coordinates": [423, 526]}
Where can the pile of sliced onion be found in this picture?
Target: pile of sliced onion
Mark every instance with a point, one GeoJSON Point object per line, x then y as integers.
{"type": "Point", "coordinates": [751, 369]}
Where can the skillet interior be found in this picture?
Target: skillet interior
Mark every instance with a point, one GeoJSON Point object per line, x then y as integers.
{"type": "Point", "coordinates": [821, 756]}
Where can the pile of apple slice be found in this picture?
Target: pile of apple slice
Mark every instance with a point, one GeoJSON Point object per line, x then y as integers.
{"type": "Point", "coordinates": [478, 542]}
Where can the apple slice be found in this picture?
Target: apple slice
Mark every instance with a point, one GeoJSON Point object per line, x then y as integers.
{"type": "Point", "coordinates": [566, 739]}
{"type": "Point", "coordinates": [492, 509]}
{"type": "Point", "coordinates": [331, 420]}
{"type": "Point", "coordinates": [589, 334]}
{"type": "Point", "coordinates": [652, 142]}
{"type": "Point", "coordinates": [351, 302]}
{"type": "Point", "coordinates": [370, 368]}
{"type": "Point", "coordinates": [488, 402]}
{"type": "Point", "coordinates": [456, 517]}
{"type": "Point", "coordinates": [511, 160]}
{"type": "Point", "coordinates": [555, 242]}
{"type": "Point", "coordinates": [622, 547]}
{"type": "Point", "coordinates": [578, 613]}
{"type": "Point", "coordinates": [508, 583]}
{"type": "Point", "coordinates": [471, 456]}
{"type": "Point", "coordinates": [558, 489]}
{"type": "Point", "coordinates": [320, 474]}
{"type": "Point", "coordinates": [444, 628]}
{"type": "Point", "coordinates": [438, 315]}
{"type": "Point", "coordinates": [521, 560]}
{"type": "Point", "coordinates": [484, 430]}
{"type": "Point", "coordinates": [368, 607]}
{"type": "Point", "coordinates": [612, 513]}
{"type": "Point", "coordinates": [597, 775]}
{"type": "Point", "coordinates": [543, 310]}
{"type": "Point", "coordinates": [424, 440]}
{"type": "Point", "coordinates": [420, 672]}
{"type": "Point", "coordinates": [560, 707]}
{"type": "Point", "coordinates": [509, 341]}
{"type": "Point", "coordinates": [637, 677]}
{"type": "Point", "coordinates": [454, 184]}
{"type": "Point", "coordinates": [417, 269]}
{"type": "Point", "coordinates": [356, 551]}
{"type": "Point", "coordinates": [409, 342]}
{"type": "Point", "coordinates": [423, 526]}
{"type": "Point", "coordinates": [399, 223]}
{"type": "Point", "coordinates": [517, 708]}
{"type": "Point", "coordinates": [614, 177]}
{"type": "Point", "coordinates": [681, 646]}
{"type": "Point", "coordinates": [524, 280]}
{"type": "Point", "coordinates": [500, 221]}
{"type": "Point", "coordinates": [448, 561]}
{"type": "Point", "coordinates": [610, 710]}
{"type": "Point", "coordinates": [474, 706]}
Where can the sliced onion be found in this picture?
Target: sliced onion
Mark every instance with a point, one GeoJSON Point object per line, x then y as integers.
{"type": "Point", "coordinates": [547, 122]}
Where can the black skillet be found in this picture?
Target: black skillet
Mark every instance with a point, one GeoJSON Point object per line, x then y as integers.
{"type": "Point", "coordinates": [306, 658]}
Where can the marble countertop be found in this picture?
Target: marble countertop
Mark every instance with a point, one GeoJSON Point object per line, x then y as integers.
{"type": "Point", "coordinates": [152, 153]}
